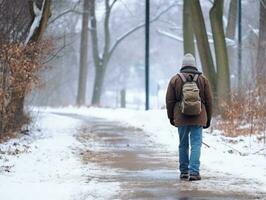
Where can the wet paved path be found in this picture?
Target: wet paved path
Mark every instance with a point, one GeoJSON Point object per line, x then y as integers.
{"type": "Point", "coordinates": [142, 168]}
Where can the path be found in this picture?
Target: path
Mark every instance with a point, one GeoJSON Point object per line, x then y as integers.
{"type": "Point", "coordinates": [141, 168]}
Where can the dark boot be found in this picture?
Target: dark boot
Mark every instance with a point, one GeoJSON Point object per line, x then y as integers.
{"type": "Point", "coordinates": [194, 178]}
{"type": "Point", "coordinates": [184, 176]}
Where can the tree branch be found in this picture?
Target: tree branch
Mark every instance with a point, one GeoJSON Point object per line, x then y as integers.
{"type": "Point", "coordinates": [66, 12]}
{"type": "Point", "coordinates": [54, 55]}
{"type": "Point", "coordinates": [121, 38]}
{"type": "Point", "coordinates": [170, 35]}
{"type": "Point", "coordinates": [73, 10]}
{"type": "Point", "coordinates": [113, 3]}
{"type": "Point", "coordinates": [229, 42]}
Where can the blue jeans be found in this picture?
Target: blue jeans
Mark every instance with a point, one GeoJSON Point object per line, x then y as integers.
{"type": "Point", "coordinates": [189, 164]}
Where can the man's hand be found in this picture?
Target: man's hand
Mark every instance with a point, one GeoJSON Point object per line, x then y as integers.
{"type": "Point", "coordinates": [208, 124]}
{"type": "Point", "coordinates": [172, 122]}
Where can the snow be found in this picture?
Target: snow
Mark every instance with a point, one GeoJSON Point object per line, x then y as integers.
{"type": "Point", "coordinates": [254, 30]}
{"type": "Point", "coordinates": [36, 22]}
{"type": "Point", "coordinates": [170, 35]}
{"type": "Point", "coordinates": [25, 162]}
{"type": "Point", "coordinates": [221, 157]}
{"type": "Point", "coordinates": [229, 42]}
{"type": "Point", "coordinates": [32, 176]}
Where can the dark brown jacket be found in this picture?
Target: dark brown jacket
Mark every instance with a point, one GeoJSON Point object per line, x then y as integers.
{"type": "Point", "coordinates": [173, 98]}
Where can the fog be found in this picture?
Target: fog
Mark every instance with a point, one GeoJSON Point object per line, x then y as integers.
{"type": "Point", "coordinates": [126, 68]}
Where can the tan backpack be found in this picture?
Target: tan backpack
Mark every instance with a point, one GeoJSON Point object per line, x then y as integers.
{"type": "Point", "coordinates": [190, 99]}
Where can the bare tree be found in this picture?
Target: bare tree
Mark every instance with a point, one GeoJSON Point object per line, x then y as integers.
{"type": "Point", "coordinates": [231, 32]}
{"type": "Point", "coordinates": [202, 43]}
{"type": "Point", "coordinates": [35, 34]}
{"type": "Point", "coordinates": [101, 59]}
{"type": "Point", "coordinates": [21, 22]}
{"type": "Point", "coordinates": [188, 33]}
{"type": "Point", "coordinates": [231, 25]}
{"type": "Point", "coordinates": [223, 73]}
{"type": "Point", "coordinates": [261, 54]}
{"type": "Point", "coordinates": [83, 69]}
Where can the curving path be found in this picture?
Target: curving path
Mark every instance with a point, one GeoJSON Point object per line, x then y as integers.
{"type": "Point", "coordinates": [141, 168]}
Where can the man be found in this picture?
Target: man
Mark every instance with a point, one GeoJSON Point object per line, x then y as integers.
{"type": "Point", "coordinates": [191, 120]}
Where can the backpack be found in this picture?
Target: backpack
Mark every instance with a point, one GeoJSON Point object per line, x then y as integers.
{"type": "Point", "coordinates": [190, 97]}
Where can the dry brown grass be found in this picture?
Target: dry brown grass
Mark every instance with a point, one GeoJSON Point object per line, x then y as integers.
{"type": "Point", "coordinates": [245, 114]}
{"type": "Point", "coordinates": [19, 67]}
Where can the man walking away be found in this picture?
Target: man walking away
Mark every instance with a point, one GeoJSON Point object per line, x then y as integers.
{"type": "Point", "coordinates": [189, 107]}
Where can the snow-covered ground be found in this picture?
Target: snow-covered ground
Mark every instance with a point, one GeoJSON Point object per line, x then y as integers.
{"type": "Point", "coordinates": [45, 165]}
{"type": "Point", "coordinates": [26, 169]}
{"type": "Point", "coordinates": [243, 157]}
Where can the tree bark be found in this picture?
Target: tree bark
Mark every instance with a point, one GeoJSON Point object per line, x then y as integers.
{"type": "Point", "coordinates": [4, 75]}
{"type": "Point", "coordinates": [83, 69]}
{"type": "Point", "coordinates": [123, 98]}
{"type": "Point", "coordinates": [38, 34]}
{"type": "Point", "coordinates": [98, 85]}
{"type": "Point", "coordinates": [231, 25]}
{"type": "Point", "coordinates": [100, 63]}
{"type": "Point", "coordinates": [223, 74]}
{"type": "Point", "coordinates": [203, 43]}
{"type": "Point", "coordinates": [231, 33]}
{"type": "Point", "coordinates": [97, 88]}
{"type": "Point", "coordinates": [22, 30]}
{"type": "Point", "coordinates": [188, 34]}
{"type": "Point", "coordinates": [261, 54]}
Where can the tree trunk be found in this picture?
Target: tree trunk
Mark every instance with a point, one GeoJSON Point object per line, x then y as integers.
{"type": "Point", "coordinates": [12, 109]}
{"type": "Point", "coordinates": [83, 69]}
{"type": "Point", "coordinates": [223, 74]}
{"type": "Point", "coordinates": [231, 32]}
{"type": "Point", "coordinates": [38, 34]}
{"type": "Point", "coordinates": [98, 84]}
{"type": "Point", "coordinates": [4, 75]}
{"type": "Point", "coordinates": [231, 25]}
{"type": "Point", "coordinates": [261, 54]}
{"type": "Point", "coordinates": [100, 62]}
{"type": "Point", "coordinates": [123, 98]}
{"type": "Point", "coordinates": [19, 117]}
{"type": "Point", "coordinates": [188, 34]}
{"type": "Point", "coordinates": [203, 43]}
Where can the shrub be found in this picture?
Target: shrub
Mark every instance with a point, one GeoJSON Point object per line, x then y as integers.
{"type": "Point", "coordinates": [19, 67]}
{"type": "Point", "coordinates": [245, 114]}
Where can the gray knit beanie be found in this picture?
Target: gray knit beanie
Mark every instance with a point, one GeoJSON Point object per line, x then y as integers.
{"type": "Point", "coordinates": [189, 60]}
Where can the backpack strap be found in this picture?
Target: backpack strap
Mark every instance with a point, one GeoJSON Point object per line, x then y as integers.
{"type": "Point", "coordinates": [195, 77]}
{"type": "Point", "coordinates": [183, 77]}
